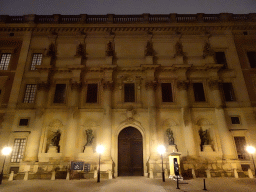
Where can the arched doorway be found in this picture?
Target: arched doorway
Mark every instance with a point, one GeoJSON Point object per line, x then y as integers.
{"type": "Point", "coordinates": [130, 152]}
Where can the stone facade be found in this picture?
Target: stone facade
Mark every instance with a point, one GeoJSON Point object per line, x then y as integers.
{"type": "Point", "coordinates": [209, 104]}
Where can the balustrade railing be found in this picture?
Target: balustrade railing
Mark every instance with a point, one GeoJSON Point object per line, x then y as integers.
{"type": "Point", "coordinates": [128, 18]}
{"type": "Point", "coordinates": [96, 19]}
{"type": "Point", "coordinates": [159, 18]}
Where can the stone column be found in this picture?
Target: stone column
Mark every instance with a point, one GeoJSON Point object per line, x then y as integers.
{"type": "Point", "coordinates": [151, 87]}
{"type": "Point", "coordinates": [72, 121]}
{"type": "Point", "coordinates": [106, 126]}
{"type": "Point", "coordinates": [32, 148]}
{"type": "Point", "coordinates": [186, 115]}
{"type": "Point", "coordinates": [227, 142]}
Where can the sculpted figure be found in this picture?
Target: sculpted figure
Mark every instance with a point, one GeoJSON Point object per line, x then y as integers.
{"type": "Point", "coordinates": [110, 49]}
{"type": "Point", "coordinates": [149, 49]}
{"type": "Point", "coordinates": [170, 137]}
{"type": "Point", "coordinates": [90, 137]}
{"type": "Point", "coordinates": [56, 140]}
{"type": "Point", "coordinates": [205, 138]}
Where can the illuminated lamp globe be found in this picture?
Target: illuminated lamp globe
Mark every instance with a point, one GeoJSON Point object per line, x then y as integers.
{"type": "Point", "coordinates": [250, 149]}
{"type": "Point", "coordinates": [6, 150]}
{"type": "Point", "coordinates": [100, 149]}
{"type": "Point", "coordinates": [161, 149]}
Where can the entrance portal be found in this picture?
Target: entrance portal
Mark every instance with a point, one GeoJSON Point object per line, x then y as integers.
{"type": "Point", "coordinates": [130, 152]}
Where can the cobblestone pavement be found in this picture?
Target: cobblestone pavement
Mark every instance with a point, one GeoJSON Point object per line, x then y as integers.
{"type": "Point", "coordinates": [131, 184]}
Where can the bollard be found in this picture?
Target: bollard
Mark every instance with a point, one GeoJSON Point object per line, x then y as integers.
{"type": "Point", "coordinates": [67, 177]}
{"type": "Point", "coordinates": [11, 176]}
{"type": "Point", "coordinates": [53, 175]}
{"type": "Point", "coordinates": [204, 186]}
{"type": "Point", "coordinates": [177, 177]}
{"type": "Point", "coordinates": [26, 176]}
{"type": "Point", "coordinates": [95, 174]}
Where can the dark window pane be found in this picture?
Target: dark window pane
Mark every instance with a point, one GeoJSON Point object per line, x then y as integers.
{"type": "Point", "coordinates": [252, 58]}
{"type": "Point", "coordinates": [59, 96]}
{"type": "Point", "coordinates": [23, 122]}
{"type": "Point", "coordinates": [228, 92]}
{"type": "Point", "coordinates": [92, 93]}
{"type": "Point", "coordinates": [167, 92]}
{"type": "Point", "coordinates": [221, 58]}
{"type": "Point", "coordinates": [129, 92]}
{"type": "Point", "coordinates": [199, 92]}
{"type": "Point", "coordinates": [240, 147]}
{"type": "Point", "coordinates": [235, 120]}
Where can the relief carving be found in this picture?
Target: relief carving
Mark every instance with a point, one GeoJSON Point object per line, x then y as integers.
{"type": "Point", "coordinates": [207, 50]}
{"type": "Point", "coordinates": [179, 49]}
{"type": "Point", "coordinates": [182, 85]}
{"type": "Point", "coordinates": [110, 49]}
{"type": "Point", "coordinates": [149, 49]}
{"type": "Point", "coordinates": [151, 85]}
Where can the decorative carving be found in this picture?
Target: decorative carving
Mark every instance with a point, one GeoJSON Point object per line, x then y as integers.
{"type": "Point", "coordinates": [149, 49]}
{"type": "Point", "coordinates": [43, 86]}
{"type": "Point", "coordinates": [170, 137]}
{"type": "Point", "coordinates": [182, 85]}
{"type": "Point", "coordinates": [110, 49]}
{"type": "Point", "coordinates": [80, 50]}
{"type": "Point", "coordinates": [52, 50]}
{"type": "Point", "coordinates": [214, 84]}
{"type": "Point", "coordinates": [90, 138]}
{"type": "Point", "coordinates": [151, 85]}
{"type": "Point", "coordinates": [108, 85]}
{"type": "Point", "coordinates": [205, 137]}
{"type": "Point", "coordinates": [179, 49]}
{"type": "Point", "coordinates": [56, 140]}
{"type": "Point", "coordinates": [75, 85]}
{"type": "Point", "coordinates": [207, 50]}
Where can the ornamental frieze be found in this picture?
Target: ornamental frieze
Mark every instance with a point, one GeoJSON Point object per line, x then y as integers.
{"type": "Point", "coordinates": [108, 85]}
{"type": "Point", "coordinates": [182, 85]}
{"type": "Point", "coordinates": [151, 85]}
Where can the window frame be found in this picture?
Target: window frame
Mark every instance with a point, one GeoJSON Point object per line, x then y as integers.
{"type": "Point", "coordinates": [249, 62]}
{"type": "Point", "coordinates": [65, 96]}
{"type": "Point", "coordinates": [204, 90]}
{"type": "Point", "coordinates": [172, 93]}
{"type": "Point", "coordinates": [87, 87]}
{"type": "Point", "coordinates": [4, 63]}
{"type": "Point", "coordinates": [36, 63]}
{"type": "Point", "coordinates": [134, 93]}
{"type": "Point", "coordinates": [30, 92]}
{"type": "Point", "coordinates": [225, 65]}
{"type": "Point", "coordinates": [233, 92]}
{"type": "Point", "coordinates": [18, 160]}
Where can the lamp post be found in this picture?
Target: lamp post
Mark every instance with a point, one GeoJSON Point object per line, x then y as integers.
{"type": "Point", "coordinates": [99, 150]}
{"type": "Point", "coordinates": [251, 150]}
{"type": "Point", "coordinates": [161, 151]}
{"type": "Point", "coordinates": [5, 151]}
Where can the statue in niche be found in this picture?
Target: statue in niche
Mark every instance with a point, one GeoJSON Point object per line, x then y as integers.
{"type": "Point", "coordinates": [149, 49]}
{"type": "Point", "coordinates": [52, 50]}
{"type": "Point", "coordinates": [179, 49]}
{"type": "Point", "coordinates": [205, 138]}
{"type": "Point", "coordinates": [170, 137]}
{"type": "Point", "coordinates": [56, 140]}
{"type": "Point", "coordinates": [90, 138]}
{"type": "Point", "coordinates": [80, 50]}
{"type": "Point", "coordinates": [110, 49]}
{"type": "Point", "coordinates": [207, 50]}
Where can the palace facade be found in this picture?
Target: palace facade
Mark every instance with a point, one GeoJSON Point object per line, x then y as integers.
{"type": "Point", "coordinates": [129, 83]}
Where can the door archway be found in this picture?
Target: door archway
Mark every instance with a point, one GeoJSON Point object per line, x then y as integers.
{"type": "Point", "coordinates": [130, 152]}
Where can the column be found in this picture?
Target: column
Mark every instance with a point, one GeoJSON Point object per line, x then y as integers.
{"type": "Point", "coordinates": [151, 87]}
{"type": "Point", "coordinates": [186, 115]}
{"type": "Point", "coordinates": [32, 148]}
{"type": "Point", "coordinates": [226, 140]}
{"type": "Point", "coordinates": [106, 126]}
{"type": "Point", "coordinates": [72, 121]}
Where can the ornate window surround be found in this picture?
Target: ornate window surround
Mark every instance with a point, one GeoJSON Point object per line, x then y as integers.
{"type": "Point", "coordinates": [30, 57]}
{"type": "Point", "coordinates": [83, 94]}
{"type": "Point", "coordinates": [159, 93]}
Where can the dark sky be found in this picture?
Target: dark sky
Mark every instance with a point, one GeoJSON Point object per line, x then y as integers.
{"type": "Point", "coordinates": [102, 7]}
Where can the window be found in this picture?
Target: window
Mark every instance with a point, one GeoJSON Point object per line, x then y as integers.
{"type": "Point", "coordinates": [36, 60]}
{"type": "Point", "coordinates": [129, 92]}
{"type": "Point", "coordinates": [92, 93]}
{"type": "Point", "coordinates": [252, 58]}
{"type": "Point", "coordinates": [228, 92]}
{"type": "Point", "coordinates": [59, 96]}
{"type": "Point", "coordinates": [235, 120]}
{"type": "Point", "coordinates": [221, 58]}
{"type": "Point", "coordinates": [30, 93]}
{"type": "Point", "coordinates": [5, 60]}
{"type": "Point", "coordinates": [240, 147]}
{"type": "Point", "coordinates": [23, 122]}
{"type": "Point", "coordinates": [18, 150]}
{"type": "Point", "coordinates": [199, 91]}
{"type": "Point", "coordinates": [167, 92]}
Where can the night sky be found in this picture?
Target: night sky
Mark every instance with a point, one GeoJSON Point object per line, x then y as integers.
{"type": "Point", "coordinates": [126, 7]}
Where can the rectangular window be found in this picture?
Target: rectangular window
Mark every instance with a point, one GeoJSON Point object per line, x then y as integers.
{"type": "Point", "coordinates": [60, 93]}
{"type": "Point", "coordinates": [18, 150]}
{"type": "Point", "coordinates": [23, 122]}
{"type": "Point", "coordinates": [92, 93]}
{"type": "Point", "coordinates": [36, 60]}
{"type": "Point", "coordinates": [167, 92]}
{"type": "Point", "coordinates": [199, 91]}
{"type": "Point", "coordinates": [221, 58]}
{"type": "Point", "coordinates": [240, 147]}
{"type": "Point", "coordinates": [252, 58]}
{"type": "Point", "coordinates": [5, 60]}
{"type": "Point", "coordinates": [228, 91]}
{"type": "Point", "coordinates": [30, 93]}
{"type": "Point", "coordinates": [129, 92]}
{"type": "Point", "coordinates": [235, 120]}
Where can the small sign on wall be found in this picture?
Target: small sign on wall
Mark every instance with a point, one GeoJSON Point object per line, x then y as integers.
{"type": "Point", "coordinates": [77, 165]}
{"type": "Point", "coordinates": [87, 167]}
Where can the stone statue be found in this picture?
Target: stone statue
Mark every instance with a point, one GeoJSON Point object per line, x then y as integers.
{"type": "Point", "coordinates": [56, 139]}
{"type": "Point", "coordinates": [149, 49]}
{"type": "Point", "coordinates": [205, 138]}
{"type": "Point", "coordinates": [110, 49]}
{"type": "Point", "coordinates": [179, 49]}
{"type": "Point", "coordinates": [90, 138]}
{"type": "Point", "coordinates": [170, 137]}
{"type": "Point", "coordinates": [207, 50]}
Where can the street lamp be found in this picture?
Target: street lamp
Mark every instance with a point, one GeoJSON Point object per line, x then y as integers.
{"type": "Point", "coordinates": [161, 151]}
{"type": "Point", "coordinates": [5, 151]}
{"type": "Point", "coordinates": [251, 150]}
{"type": "Point", "coordinates": [99, 150]}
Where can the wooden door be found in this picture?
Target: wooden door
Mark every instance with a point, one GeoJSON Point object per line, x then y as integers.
{"type": "Point", "coordinates": [130, 152]}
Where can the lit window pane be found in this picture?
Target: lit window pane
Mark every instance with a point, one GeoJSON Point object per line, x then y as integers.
{"type": "Point", "coordinates": [36, 60]}
{"type": "Point", "coordinates": [30, 93]}
{"type": "Point", "coordinates": [18, 150]}
{"type": "Point", "coordinates": [5, 60]}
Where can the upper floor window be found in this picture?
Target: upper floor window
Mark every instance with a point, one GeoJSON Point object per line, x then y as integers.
{"type": "Point", "coordinates": [30, 93]}
{"type": "Point", "coordinates": [129, 92]}
{"type": "Point", "coordinates": [240, 147]}
{"type": "Point", "coordinates": [228, 91]}
{"type": "Point", "coordinates": [167, 92]}
{"type": "Point", "coordinates": [5, 60]}
{"type": "Point", "coordinates": [235, 120]}
{"type": "Point", "coordinates": [199, 91]}
{"type": "Point", "coordinates": [18, 150]}
{"type": "Point", "coordinates": [60, 93]}
{"type": "Point", "coordinates": [221, 58]}
{"type": "Point", "coordinates": [36, 60]}
{"type": "Point", "coordinates": [92, 93]}
{"type": "Point", "coordinates": [252, 58]}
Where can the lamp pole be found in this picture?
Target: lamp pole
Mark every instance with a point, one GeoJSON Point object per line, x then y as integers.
{"type": "Point", "coordinates": [99, 170]}
{"type": "Point", "coordinates": [251, 150]}
{"type": "Point", "coordinates": [253, 165]}
{"type": "Point", "coordinates": [161, 150]}
{"type": "Point", "coordinates": [5, 151]}
{"type": "Point", "coordinates": [99, 150]}
{"type": "Point", "coordinates": [163, 176]}
{"type": "Point", "coordinates": [2, 172]}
